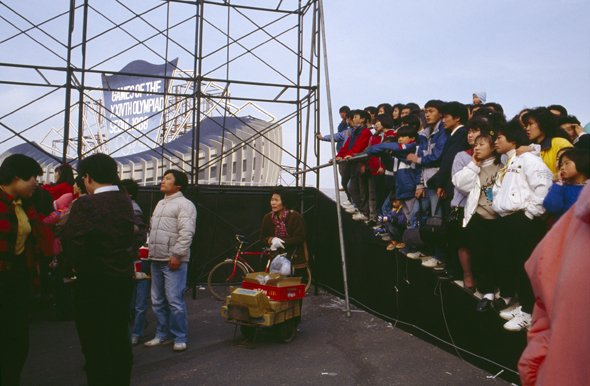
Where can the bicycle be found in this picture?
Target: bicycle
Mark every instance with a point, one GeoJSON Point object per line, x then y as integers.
{"type": "Point", "coordinates": [231, 272]}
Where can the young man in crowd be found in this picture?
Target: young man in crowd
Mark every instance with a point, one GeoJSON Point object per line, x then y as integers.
{"type": "Point", "coordinates": [356, 144]}
{"type": "Point", "coordinates": [518, 196]}
{"type": "Point", "coordinates": [172, 229]}
{"type": "Point", "coordinates": [98, 240]}
{"type": "Point", "coordinates": [572, 126]}
{"type": "Point", "coordinates": [340, 138]}
{"type": "Point", "coordinates": [454, 116]}
{"type": "Point", "coordinates": [430, 148]}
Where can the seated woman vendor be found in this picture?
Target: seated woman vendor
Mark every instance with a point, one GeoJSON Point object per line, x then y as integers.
{"type": "Point", "coordinates": [284, 230]}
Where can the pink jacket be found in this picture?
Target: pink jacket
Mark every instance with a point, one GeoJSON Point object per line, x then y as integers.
{"type": "Point", "coordinates": [558, 350]}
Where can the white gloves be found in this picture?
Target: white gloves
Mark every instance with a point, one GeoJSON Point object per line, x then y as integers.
{"type": "Point", "coordinates": [276, 243]}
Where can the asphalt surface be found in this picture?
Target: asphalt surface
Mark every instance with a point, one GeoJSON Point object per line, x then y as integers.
{"type": "Point", "coordinates": [328, 349]}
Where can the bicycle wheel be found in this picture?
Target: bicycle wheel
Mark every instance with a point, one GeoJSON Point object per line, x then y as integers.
{"type": "Point", "coordinates": [219, 279]}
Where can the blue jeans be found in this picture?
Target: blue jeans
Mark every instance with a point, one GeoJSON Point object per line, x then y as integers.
{"type": "Point", "coordinates": [167, 301]}
{"type": "Point", "coordinates": [141, 296]}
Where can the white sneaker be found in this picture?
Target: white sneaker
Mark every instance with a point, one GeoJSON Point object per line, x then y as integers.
{"type": "Point", "coordinates": [179, 347]}
{"type": "Point", "coordinates": [510, 312]}
{"type": "Point", "coordinates": [386, 238]}
{"type": "Point", "coordinates": [432, 263]}
{"type": "Point", "coordinates": [134, 340]}
{"type": "Point", "coordinates": [347, 204]}
{"type": "Point", "coordinates": [352, 210]}
{"type": "Point", "coordinates": [377, 226]}
{"type": "Point", "coordinates": [417, 255]}
{"type": "Point", "coordinates": [520, 321]}
{"type": "Point", "coordinates": [158, 342]}
{"type": "Point", "coordinates": [360, 217]}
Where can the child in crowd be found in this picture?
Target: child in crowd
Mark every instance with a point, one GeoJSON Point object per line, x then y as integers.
{"type": "Point", "coordinates": [377, 193]}
{"type": "Point", "coordinates": [574, 169]}
{"type": "Point", "coordinates": [395, 223]}
{"type": "Point", "coordinates": [356, 144]}
{"type": "Point", "coordinates": [458, 241]}
{"type": "Point", "coordinates": [518, 193]}
{"type": "Point", "coordinates": [477, 179]}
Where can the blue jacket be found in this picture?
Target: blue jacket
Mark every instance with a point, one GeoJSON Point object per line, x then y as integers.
{"type": "Point", "coordinates": [431, 144]}
{"type": "Point", "coordinates": [398, 214]}
{"type": "Point", "coordinates": [406, 176]}
{"type": "Point", "coordinates": [561, 197]}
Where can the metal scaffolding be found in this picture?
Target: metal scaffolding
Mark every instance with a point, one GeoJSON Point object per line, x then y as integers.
{"type": "Point", "coordinates": [54, 55]}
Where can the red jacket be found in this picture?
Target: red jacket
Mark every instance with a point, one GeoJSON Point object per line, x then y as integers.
{"type": "Point", "coordinates": [362, 142]}
{"type": "Point", "coordinates": [375, 162]}
{"type": "Point", "coordinates": [59, 190]}
{"type": "Point", "coordinates": [557, 351]}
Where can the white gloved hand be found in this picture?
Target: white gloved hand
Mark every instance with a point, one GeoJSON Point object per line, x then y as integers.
{"type": "Point", "coordinates": [276, 243]}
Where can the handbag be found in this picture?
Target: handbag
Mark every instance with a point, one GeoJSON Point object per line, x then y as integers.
{"type": "Point", "coordinates": [434, 230]}
{"type": "Point", "coordinates": [412, 235]}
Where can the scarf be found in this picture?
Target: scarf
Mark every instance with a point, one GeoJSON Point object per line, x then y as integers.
{"type": "Point", "coordinates": [280, 228]}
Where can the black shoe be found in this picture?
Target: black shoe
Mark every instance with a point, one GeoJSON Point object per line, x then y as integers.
{"type": "Point", "coordinates": [445, 276]}
{"type": "Point", "coordinates": [483, 305]}
{"type": "Point", "coordinates": [499, 304]}
{"type": "Point", "coordinates": [371, 223]}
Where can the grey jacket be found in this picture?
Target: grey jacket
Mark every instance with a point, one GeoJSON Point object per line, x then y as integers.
{"type": "Point", "coordinates": [172, 228]}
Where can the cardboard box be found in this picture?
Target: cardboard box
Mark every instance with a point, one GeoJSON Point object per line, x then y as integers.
{"type": "Point", "coordinates": [224, 312]}
{"type": "Point", "coordinates": [280, 317]}
{"type": "Point", "coordinates": [256, 301]}
{"type": "Point", "coordinates": [296, 310]}
{"type": "Point", "coordinates": [289, 313]}
{"type": "Point", "coordinates": [264, 320]}
{"type": "Point", "coordinates": [228, 300]}
{"type": "Point", "coordinates": [279, 306]}
{"type": "Point", "coordinates": [276, 281]}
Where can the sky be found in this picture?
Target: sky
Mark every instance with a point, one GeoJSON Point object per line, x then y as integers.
{"type": "Point", "coordinates": [522, 53]}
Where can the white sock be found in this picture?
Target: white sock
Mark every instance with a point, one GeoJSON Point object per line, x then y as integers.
{"type": "Point", "coordinates": [489, 296]}
{"type": "Point", "coordinates": [507, 300]}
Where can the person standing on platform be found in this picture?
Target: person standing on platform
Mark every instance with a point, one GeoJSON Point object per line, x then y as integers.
{"type": "Point", "coordinates": [172, 228]}
{"type": "Point", "coordinates": [18, 253]}
{"type": "Point", "coordinates": [98, 240]}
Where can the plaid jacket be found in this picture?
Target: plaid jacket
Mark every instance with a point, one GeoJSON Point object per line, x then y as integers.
{"type": "Point", "coordinates": [9, 231]}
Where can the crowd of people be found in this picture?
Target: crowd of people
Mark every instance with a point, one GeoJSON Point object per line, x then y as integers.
{"type": "Point", "coordinates": [76, 241]}
{"type": "Point", "coordinates": [496, 185]}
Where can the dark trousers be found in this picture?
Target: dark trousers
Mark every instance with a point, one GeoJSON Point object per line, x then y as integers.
{"type": "Point", "coordinates": [102, 321]}
{"type": "Point", "coordinates": [14, 323]}
{"type": "Point", "coordinates": [346, 179]}
{"type": "Point", "coordinates": [359, 188]}
{"type": "Point", "coordinates": [519, 236]}
{"type": "Point", "coordinates": [486, 256]}
{"type": "Point", "coordinates": [381, 191]}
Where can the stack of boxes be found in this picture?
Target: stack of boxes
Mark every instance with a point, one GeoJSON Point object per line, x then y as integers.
{"type": "Point", "coordinates": [268, 304]}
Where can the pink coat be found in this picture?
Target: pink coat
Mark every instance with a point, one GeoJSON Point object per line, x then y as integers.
{"type": "Point", "coordinates": [558, 350]}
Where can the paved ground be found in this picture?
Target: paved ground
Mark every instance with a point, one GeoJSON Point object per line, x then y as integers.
{"type": "Point", "coordinates": [328, 349]}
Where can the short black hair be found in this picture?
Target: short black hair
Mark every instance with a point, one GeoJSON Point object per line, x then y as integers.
{"type": "Point", "coordinates": [413, 106]}
{"type": "Point", "coordinates": [363, 114]}
{"type": "Point", "coordinates": [456, 110]}
{"type": "Point", "coordinates": [436, 103]}
{"type": "Point", "coordinates": [344, 109]}
{"type": "Point", "coordinates": [131, 187]}
{"type": "Point", "coordinates": [180, 179]}
{"type": "Point", "coordinates": [411, 120]}
{"type": "Point", "coordinates": [389, 138]}
{"type": "Point", "coordinates": [407, 131]}
{"type": "Point", "coordinates": [387, 108]}
{"type": "Point", "coordinates": [562, 110]}
{"type": "Point", "coordinates": [350, 114]}
{"type": "Point", "coordinates": [495, 106]}
{"type": "Point", "coordinates": [480, 124]}
{"type": "Point", "coordinates": [42, 201]}
{"type": "Point", "coordinates": [494, 118]}
{"type": "Point", "coordinates": [371, 109]}
{"type": "Point", "coordinates": [79, 180]}
{"type": "Point", "coordinates": [287, 198]}
{"type": "Point", "coordinates": [100, 167]}
{"type": "Point", "coordinates": [385, 119]}
{"type": "Point", "coordinates": [581, 157]}
{"type": "Point", "coordinates": [66, 174]}
{"type": "Point", "coordinates": [514, 133]}
{"type": "Point", "coordinates": [546, 120]}
{"type": "Point", "coordinates": [565, 119]}
{"type": "Point", "coordinates": [19, 165]}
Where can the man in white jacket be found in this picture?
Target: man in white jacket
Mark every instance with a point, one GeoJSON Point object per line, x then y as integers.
{"type": "Point", "coordinates": [518, 197]}
{"type": "Point", "coordinates": [172, 229]}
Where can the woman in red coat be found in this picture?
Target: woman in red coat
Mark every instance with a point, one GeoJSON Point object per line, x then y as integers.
{"type": "Point", "coordinates": [64, 182]}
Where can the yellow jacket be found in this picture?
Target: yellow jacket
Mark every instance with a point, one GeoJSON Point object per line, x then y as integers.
{"type": "Point", "coordinates": [549, 150]}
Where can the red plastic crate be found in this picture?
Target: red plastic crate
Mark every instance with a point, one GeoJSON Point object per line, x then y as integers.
{"type": "Point", "coordinates": [278, 294]}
